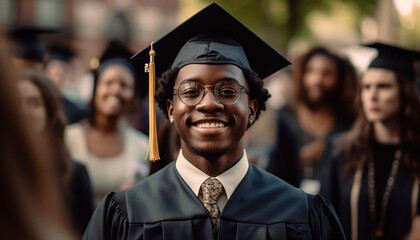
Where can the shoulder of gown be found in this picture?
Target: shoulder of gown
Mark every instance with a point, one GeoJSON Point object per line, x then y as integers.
{"type": "Point", "coordinates": [110, 219]}
{"type": "Point", "coordinates": [323, 219]}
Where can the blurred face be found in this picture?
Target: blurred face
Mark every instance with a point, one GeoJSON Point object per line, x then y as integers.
{"type": "Point", "coordinates": [57, 71]}
{"type": "Point", "coordinates": [380, 95]}
{"type": "Point", "coordinates": [114, 90]}
{"type": "Point", "coordinates": [211, 128]}
{"type": "Point", "coordinates": [33, 105]}
{"type": "Point", "coordinates": [319, 79]}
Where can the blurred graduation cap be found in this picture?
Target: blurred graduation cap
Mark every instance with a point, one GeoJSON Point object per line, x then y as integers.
{"type": "Point", "coordinates": [117, 53]}
{"type": "Point", "coordinates": [211, 36]}
{"type": "Point", "coordinates": [24, 42]}
{"type": "Point", "coordinates": [394, 58]}
{"type": "Point", "coordinates": [60, 51]}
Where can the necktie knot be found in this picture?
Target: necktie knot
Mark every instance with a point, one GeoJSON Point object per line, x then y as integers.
{"type": "Point", "coordinates": [211, 190]}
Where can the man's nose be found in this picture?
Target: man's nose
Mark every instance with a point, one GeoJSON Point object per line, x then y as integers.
{"type": "Point", "coordinates": [209, 102]}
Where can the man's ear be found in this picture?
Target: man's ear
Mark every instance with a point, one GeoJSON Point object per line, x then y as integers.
{"type": "Point", "coordinates": [253, 107]}
{"type": "Point", "coordinates": [169, 108]}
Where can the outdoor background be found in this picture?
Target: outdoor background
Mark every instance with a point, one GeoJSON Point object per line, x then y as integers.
{"type": "Point", "coordinates": [289, 26]}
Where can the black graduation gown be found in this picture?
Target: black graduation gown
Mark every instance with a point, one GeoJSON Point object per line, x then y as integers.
{"type": "Point", "coordinates": [73, 112]}
{"type": "Point", "coordinates": [338, 190]}
{"type": "Point", "coordinates": [80, 198]}
{"type": "Point", "coordinates": [163, 206]}
{"type": "Point", "coordinates": [284, 159]}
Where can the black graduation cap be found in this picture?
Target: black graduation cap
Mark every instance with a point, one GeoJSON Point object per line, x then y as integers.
{"type": "Point", "coordinates": [394, 58]}
{"type": "Point", "coordinates": [25, 43]}
{"type": "Point", "coordinates": [212, 36]}
{"type": "Point", "coordinates": [60, 51]}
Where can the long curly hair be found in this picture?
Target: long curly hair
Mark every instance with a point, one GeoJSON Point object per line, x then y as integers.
{"type": "Point", "coordinates": [347, 81]}
{"type": "Point", "coordinates": [358, 142]}
{"type": "Point", "coordinates": [165, 86]}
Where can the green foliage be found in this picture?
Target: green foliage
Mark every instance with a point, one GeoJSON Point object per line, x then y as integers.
{"type": "Point", "coordinates": [280, 21]}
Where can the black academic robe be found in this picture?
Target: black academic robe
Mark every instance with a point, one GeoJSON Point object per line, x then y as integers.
{"type": "Point", "coordinates": [163, 206]}
{"type": "Point", "coordinates": [73, 112]}
{"type": "Point", "coordinates": [337, 189]}
{"type": "Point", "coordinates": [80, 198]}
{"type": "Point", "coordinates": [284, 159]}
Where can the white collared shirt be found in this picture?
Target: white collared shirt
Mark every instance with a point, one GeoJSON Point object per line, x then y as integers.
{"type": "Point", "coordinates": [230, 178]}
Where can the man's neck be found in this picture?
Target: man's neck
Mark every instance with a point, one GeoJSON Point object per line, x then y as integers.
{"type": "Point", "coordinates": [212, 166]}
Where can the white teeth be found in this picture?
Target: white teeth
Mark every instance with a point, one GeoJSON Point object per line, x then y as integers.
{"type": "Point", "coordinates": [210, 125]}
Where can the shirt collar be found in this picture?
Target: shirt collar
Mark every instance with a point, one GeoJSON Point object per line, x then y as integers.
{"type": "Point", "coordinates": [194, 177]}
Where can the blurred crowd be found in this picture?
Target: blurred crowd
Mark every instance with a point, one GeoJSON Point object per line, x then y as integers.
{"type": "Point", "coordinates": [329, 129]}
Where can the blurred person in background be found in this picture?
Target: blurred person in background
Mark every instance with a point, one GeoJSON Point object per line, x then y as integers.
{"type": "Point", "coordinates": [112, 150]}
{"type": "Point", "coordinates": [260, 139]}
{"type": "Point", "coordinates": [373, 171]}
{"type": "Point", "coordinates": [325, 86]}
{"type": "Point", "coordinates": [41, 104]}
{"type": "Point", "coordinates": [26, 48]}
{"type": "Point", "coordinates": [59, 69]}
{"type": "Point", "coordinates": [31, 206]}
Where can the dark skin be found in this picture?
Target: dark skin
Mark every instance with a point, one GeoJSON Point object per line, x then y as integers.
{"type": "Point", "coordinates": [213, 149]}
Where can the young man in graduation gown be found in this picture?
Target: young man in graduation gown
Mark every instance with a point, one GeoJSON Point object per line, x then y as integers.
{"type": "Point", "coordinates": [213, 93]}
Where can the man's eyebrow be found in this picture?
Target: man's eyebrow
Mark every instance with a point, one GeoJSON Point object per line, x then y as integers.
{"type": "Point", "coordinates": [229, 79]}
{"type": "Point", "coordinates": [226, 79]}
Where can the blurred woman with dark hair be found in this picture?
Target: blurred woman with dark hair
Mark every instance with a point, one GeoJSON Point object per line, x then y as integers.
{"type": "Point", "coordinates": [112, 150]}
{"type": "Point", "coordinates": [42, 105]}
{"type": "Point", "coordinates": [31, 206]}
{"type": "Point", "coordinates": [324, 94]}
{"type": "Point", "coordinates": [373, 174]}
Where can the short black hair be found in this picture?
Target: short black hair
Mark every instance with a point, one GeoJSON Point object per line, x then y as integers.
{"type": "Point", "coordinates": [165, 89]}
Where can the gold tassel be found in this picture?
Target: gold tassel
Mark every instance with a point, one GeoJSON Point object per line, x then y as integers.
{"type": "Point", "coordinates": [153, 151]}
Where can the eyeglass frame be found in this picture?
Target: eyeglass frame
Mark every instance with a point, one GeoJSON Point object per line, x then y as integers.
{"type": "Point", "coordinates": [176, 89]}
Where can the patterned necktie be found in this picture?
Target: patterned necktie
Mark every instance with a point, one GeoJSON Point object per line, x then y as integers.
{"type": "Point", "coordinates": [212, 189]}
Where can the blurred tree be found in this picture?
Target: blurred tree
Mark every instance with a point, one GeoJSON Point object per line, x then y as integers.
{"type": "Point", "coordinates": [280, 21]}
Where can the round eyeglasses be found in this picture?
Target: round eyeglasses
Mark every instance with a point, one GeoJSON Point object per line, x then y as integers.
{"type": "Point", "coordinates": [226, 92]}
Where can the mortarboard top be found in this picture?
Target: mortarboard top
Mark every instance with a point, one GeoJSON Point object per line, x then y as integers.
{"type": "Point", "coordinates": [226, 40]}
{"type": "Point", "coordinates": [394, 58]}
{"type": "Point", "coordinates": [25, 43]}
{"type": "Point", "coordinates": [61, 52]}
